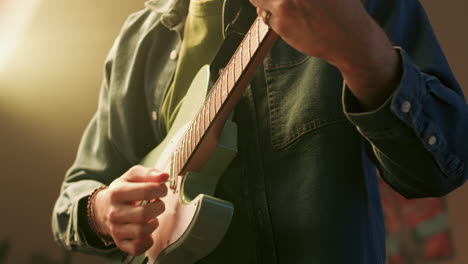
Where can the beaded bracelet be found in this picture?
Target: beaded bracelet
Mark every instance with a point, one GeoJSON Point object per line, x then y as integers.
{"type": "Point", "coordinates": [107, 240]}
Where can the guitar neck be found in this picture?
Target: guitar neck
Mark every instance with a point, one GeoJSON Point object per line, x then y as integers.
{"type": "Point", "coordinates": [226, 91]}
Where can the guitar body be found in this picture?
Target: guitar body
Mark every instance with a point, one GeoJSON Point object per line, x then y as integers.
{"type": "Point", "coordinates": [194, 222]}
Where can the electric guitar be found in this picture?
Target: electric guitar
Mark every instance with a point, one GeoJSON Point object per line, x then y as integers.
{"type": "Point", "coordinates": [197, 149]}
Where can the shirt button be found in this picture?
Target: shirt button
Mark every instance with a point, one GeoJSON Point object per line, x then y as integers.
{"type": "Point", "coordinates": [173, 55]}
{"type": "Point", "coordinates": [405, 106]}
{"type": "Point", "coordinates": [154, 115]}
{"type": "Point", "coordinates": [432, 140]}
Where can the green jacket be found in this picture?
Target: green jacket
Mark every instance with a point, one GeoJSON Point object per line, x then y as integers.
{"type": "Point", "coordinates": [303, 184]}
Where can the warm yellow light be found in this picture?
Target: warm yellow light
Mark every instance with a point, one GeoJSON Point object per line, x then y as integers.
{"type": "Point", "coordinates": [15, 16]}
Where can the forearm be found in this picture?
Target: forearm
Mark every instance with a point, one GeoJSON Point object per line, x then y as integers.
{"type": "Point", "coordinates": [418, 135]}
{"type": "Point", "coordinates": [373, 70]}
{"type": "Point", "coordinates": [69, 219]}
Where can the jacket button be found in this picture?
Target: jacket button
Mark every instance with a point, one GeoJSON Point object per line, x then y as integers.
{"type": "Point", "coordinates": [405, 106]}
{"type": "Point", "coordinates": [154, 115]}
{"type": "Point", "coordinates": [432, 140]}
{"type": "Point", "coordinates": [173, 55]}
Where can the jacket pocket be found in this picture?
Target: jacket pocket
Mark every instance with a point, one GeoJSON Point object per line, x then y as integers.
{"type": "Point", "coordinates": [304, 94]}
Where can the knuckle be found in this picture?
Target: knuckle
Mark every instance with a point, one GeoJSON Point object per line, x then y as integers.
{"type": "Point", "coordinates": [143, 231]}
{"type": "Point", "coordinates": [136, 169]}
{"type": "Point", "coordinates": [113, 216]}
{"type": "Point", "coordinates": [134, 251]}
{"type": "Point", "coordinates": [163, 190]}
{"type": "Point", "coordinates": [119, 243]}
{"type": "Point", "coordinates": [151, 226]}
{"type": "Point", "coordinates": [143, 244]}
{"type": "Point", "coordinates": [115, 232]}
{"type": "Point", "coordinates": [155, 224]}
{"type": "Point", "coordinates": [143, 215]}
{"type": "Point", "coordinates": [139, 246]}
{"type": "Point", "coordinates": [160, 207]}
{"type": "Point", "coordinates": [148, 189]}
{"type": "Point", "coordinates": [114, 194]}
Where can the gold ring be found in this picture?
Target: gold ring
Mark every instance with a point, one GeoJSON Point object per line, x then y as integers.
{"type": "Point", "coordinates": [266, 15]}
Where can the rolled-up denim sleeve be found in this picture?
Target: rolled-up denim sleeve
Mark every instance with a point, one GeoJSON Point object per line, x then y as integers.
{"type": "Point", "coordinates": [97, 164]}
{"type": "Point", "coordinates": [418, 137]}
{"type": "Point", "coordinates": [117, 138]}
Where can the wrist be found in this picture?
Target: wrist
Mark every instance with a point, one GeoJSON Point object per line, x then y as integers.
{"type": "Point", "coordinates": [93, 217]}
{"type": "Point", "coordinates": [374, 74]}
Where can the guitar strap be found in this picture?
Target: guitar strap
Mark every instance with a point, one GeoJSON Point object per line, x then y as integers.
{"type": "Point", "coordinates": [238, 16]}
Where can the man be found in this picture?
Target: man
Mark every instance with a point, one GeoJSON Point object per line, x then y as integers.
{"type": "Point", "coordinates": [303, 183]}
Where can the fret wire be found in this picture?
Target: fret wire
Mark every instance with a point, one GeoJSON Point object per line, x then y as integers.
{"type": "Point", "coordinates": [228, 90]}
{"type": "Point", "coordinates": [248, 43]}
{"type": "Point", "coordinates": [186, 153]}
{"type": "Point", "coordinates": [258, 32]}
{"type": "Point", "coordinates": [245, 55]}
{"type": "Point", "coordinates": [172, 167]}
{"type": "Point", "coordinates": [213, 105]}
{"type": "Point", "coordinates": [241, 47]}
{"type": "Point", "coordinates": [189, 140]}
{"type": "Point", "coordinates": [207, 116]}
{"type": "Point", "coordinates": [230, 77]}
{"type": "Point", "coordinates": [233, 66]}
{"type": "Point", "coordinates": [219, 101]}
{"type": "Point", "coordinates": [197, 128]}
{"type": "Point", "coordinates": [214, 101]}
{"type": "Point", "coordinates": [182, 149]}
{"type": "Point", "coordinates": [216, 98]}
{"type": "Point", "coordinates": [208, 106]}
{"type": "Point", "coordinates": [193, 138]}
{"type": "Point", "coordinates": [202, 120]}
{"type": "Point", "coordinates": [236, 65]}
{"type": "Point", "coordinates": [180, 161]}
{"type": "Point", "coordinates": [179, 151]}
{"type": "Point", "coordinates": [253, 44]}
{"type": "Point", "coordinates": [224, 85]}
{"type": "Point", "coordinates": [226, 70]}
{"type": "Point", "coordinates": [173, 163]}
{"type": "Point", "coordinates": [176, 161]}
{"type": "Point", "coordinates": [265, 30]}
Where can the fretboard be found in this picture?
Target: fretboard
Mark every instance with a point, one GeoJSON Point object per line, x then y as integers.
{"type": "Point", "coordinates": [233, 79]}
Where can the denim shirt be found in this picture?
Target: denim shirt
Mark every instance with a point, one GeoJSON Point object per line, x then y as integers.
{"type": "Point", "coordinates": [304, 182]}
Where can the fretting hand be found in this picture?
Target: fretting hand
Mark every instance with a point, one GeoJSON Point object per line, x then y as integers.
{"type": "Point", "coordinates": [342, 33]}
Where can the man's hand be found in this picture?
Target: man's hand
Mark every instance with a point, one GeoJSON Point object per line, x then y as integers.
{"type": "Point", "coordinates": [119, 215]}
{"type": "Point", "coordinates": [342, 33]}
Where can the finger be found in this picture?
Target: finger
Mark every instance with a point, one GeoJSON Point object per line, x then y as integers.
{"type": "Point", "coordinates": [258, 3]}
{"type": "Point", "coordinates": [137, 191]}
{"type": "Point", "coordinates": [134, 231]}
{"type": "Point", "coordinates": [138, 214]}
{"type": "Point", "coordinates": [142, 174]}
{"type": "Point", "coordinates": [264, 14]}
{"type": "Point", "coordinates": [135, 247]}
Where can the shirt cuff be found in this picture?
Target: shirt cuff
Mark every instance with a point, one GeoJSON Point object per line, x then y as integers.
{"type": "Point", "coordinates": [71, 223]}
{"type": "Point", "coordinates": [388, 119]}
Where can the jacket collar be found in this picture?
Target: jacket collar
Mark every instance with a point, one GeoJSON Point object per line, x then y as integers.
{"type": "Point", "coordinates": [173, 12]}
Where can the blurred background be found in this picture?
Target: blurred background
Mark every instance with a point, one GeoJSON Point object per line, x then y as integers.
{"type": "Point", "coordinates": [51, 57]}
